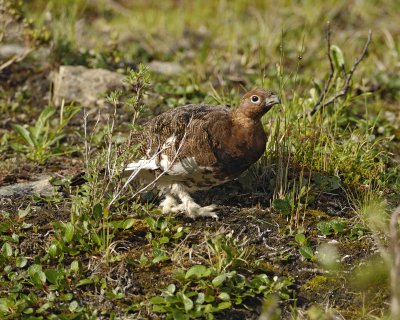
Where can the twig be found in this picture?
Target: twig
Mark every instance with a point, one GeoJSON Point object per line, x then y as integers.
{"type": "Point", "coordinates": [332, 68]}
{"type": "Point", "coordinates": [16, 58]}
{"type": "Point", "coordinates": [395, 267]}
{"type": "Point", "coordinates": [322, 102]}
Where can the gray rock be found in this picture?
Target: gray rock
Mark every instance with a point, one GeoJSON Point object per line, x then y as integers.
{"type": "Point", "coordinates": [41, 187]}
{"type": "Point", "coordinates": [87, 87]}
{"type": "Point", "coordinates": [10, 50]}
{"type": "Point", "coordinates": [166, 68]}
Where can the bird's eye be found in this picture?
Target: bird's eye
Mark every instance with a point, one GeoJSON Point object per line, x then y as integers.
{"type": "Point", "coordinates": [255, 99]}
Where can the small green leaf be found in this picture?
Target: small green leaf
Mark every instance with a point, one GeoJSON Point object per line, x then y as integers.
{"type": "Point", "coordinates": [36, 274]}
{"type": "Point", "coordinates": [66, 297]}
{"type": "Point", "coordinates": [157, 300]}
{"type": "Point", "coordinates": [200, 298]}
{"type": "Point", "coordinates": [17, 288]}
{"type": "Point", "coordinates": [68, 232]}
{"type": "Point", "coordinates": [171, 300]}
{"type": "Point", "coordinates": [97, 211]}
{"type": "Point", "coordinates": [307, 253]}
{"type": "Point", "coordinates": [208, 308]}
{"type": "Point", "coordinates": [24, 133]}
{"type": "Point", "coordinates": [25, 225]}
{"type": "Point", "coordinates": [128, 223]}
{"type": "Point", "coordinates": [218, 280]}
{"type": "Point", "coordinates": [161, 257]}
{"type": "Point", "coordinates": [75, 266]}
{"type": "Point", "coordinates": [22, 213]}
{"type": "Point", "coordinates": [284, 296]}
{"type": "Point", "coordinates": [338, 226]}
{"type": "Point", "coordinates": [191, 294]}
{"type": "Point", "coordinates": [15, 237]}
{"type": "Point", "coordinates": [164, 240]}
{"type": "Point", "coordinates": [28, 311]}
{"type": "Point", "coordinates": [21, 262]}
{"type": "Point", "coordinates": [283, 206]}
{"type": "Point", "coordinates": [187, 303]}
{"type": "Point", "coordinates": [44, 117]}
{"type": "Point", "coordinates": [52, 276]}
{"type": "Point", "coordinates": [171, 288]}
{"type": "Point", "coordinates": [300, 238]}
{"type": "Point", "coordinates": [53, 250]}
{"type": "Point", "coordinates": [337, 57]}
{"type": "Point", "coordinates": [224, 305]}
{"type": "Point", "coordinates": [5, 226]}
{"type": "Point", "coordinates": [84, 282]}
{"type": "Point", "coordinates": [325, 228]}
{"type": "Point", "coordinates": [73, 306]}
{"type": "Point", "coordinates": [179, 315]}
{"type": "Point", "coordinates": [44, 307]}
{"type": "Point", "coordinates": [224, 296]}
{"type": "Point", "coordinates": [7, 249]}
{"type": "Point", "coordinates": [159, 308]}
{"type": "Point", "coordinates": [326, 183]}
{"type": "Point", "coordinates": [196, 272]}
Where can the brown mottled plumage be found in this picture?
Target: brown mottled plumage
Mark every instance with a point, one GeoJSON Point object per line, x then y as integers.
{"type": "Point", "coordinates": [200, 146]}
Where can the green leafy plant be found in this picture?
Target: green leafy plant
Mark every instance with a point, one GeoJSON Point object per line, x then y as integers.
{"type": "Point", "coordinates": [325, 183]}
{"type": "Point", "coordinates": [163, 232]}
{"type": "Point", "coordinates": [304, 246]}
{"type": "Point", "coordinates": [42, 141]}
{"type": "Point", "coordinates": [334, 226]}
{"type": "Point", "coordinates": [204, 291]}
{"type": "Point", "coordinates": [294, 201]}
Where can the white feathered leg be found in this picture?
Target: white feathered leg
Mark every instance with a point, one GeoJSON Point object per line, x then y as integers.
{"type": "Point", "coordinates": [169, 204]}
{"type": "Point", "coordinates": [191, 208]}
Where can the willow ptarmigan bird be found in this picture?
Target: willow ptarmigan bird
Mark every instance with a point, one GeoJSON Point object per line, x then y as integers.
{"type": "Point", "coordinates": [196, 147]}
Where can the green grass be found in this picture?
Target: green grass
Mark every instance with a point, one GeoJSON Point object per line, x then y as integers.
{"type": "Point", "coordinates": [319, 199]}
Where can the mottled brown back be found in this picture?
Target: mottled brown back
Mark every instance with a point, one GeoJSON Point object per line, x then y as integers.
{"type": "Point", "coordinates": [197, 129]}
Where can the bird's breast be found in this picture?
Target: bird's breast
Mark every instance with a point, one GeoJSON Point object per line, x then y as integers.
{"type": "Point", "coordinates": [243, 148]}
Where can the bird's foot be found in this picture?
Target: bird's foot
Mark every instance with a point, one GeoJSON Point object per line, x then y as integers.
{"type": "Point", "coordinates": [207, 211]}
{"type": "Point", "coordinates": [193, 210]}
{"type": "Point", "coordinates": [187, 205]}
{"type": "Point", "coordinates": [169, 204]}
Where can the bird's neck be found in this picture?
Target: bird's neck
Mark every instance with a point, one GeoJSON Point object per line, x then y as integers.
{"type": "Point", "coordinates": [241, 120]}
{"type": "Point", "coordinates": [245, 141]}
{"type": "Point", "coordinates": [247, 130]}
{"type": "Point", "coordinates": [246, 114]}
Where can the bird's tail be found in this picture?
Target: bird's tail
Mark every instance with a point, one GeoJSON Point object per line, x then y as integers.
{"type": "Point", "coordinates": [81, 178]}
{"type": "Point", "coordinates": [78, 180]}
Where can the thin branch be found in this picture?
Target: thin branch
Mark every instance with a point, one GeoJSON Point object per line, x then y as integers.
{"type": "Point", "coordinates": [347, 77]}
{"type": "Point", "coordinates": [136, 171]}
{"type": "Point", "coordinates": [332, 68]}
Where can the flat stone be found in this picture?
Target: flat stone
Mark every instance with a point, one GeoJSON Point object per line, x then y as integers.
{"type": "Point", "coordinates": [10, 50]}
{"type": "Point", "coordinates": [166, 68]}
{"type": "Point", "coordinates": [41, 187]}
{"type": "Point", "coordinates": [87, 87]}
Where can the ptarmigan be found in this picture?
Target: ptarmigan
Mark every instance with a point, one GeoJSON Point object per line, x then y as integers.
{"type": "Point", "coordinates": [196, 147]}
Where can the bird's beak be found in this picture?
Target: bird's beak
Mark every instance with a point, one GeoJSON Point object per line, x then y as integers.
{"type": "Point", "coordinates": [272, 100]}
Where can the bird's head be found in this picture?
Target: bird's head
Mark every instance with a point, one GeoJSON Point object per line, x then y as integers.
{"type": "Point", "coordinates": [255, 103]}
